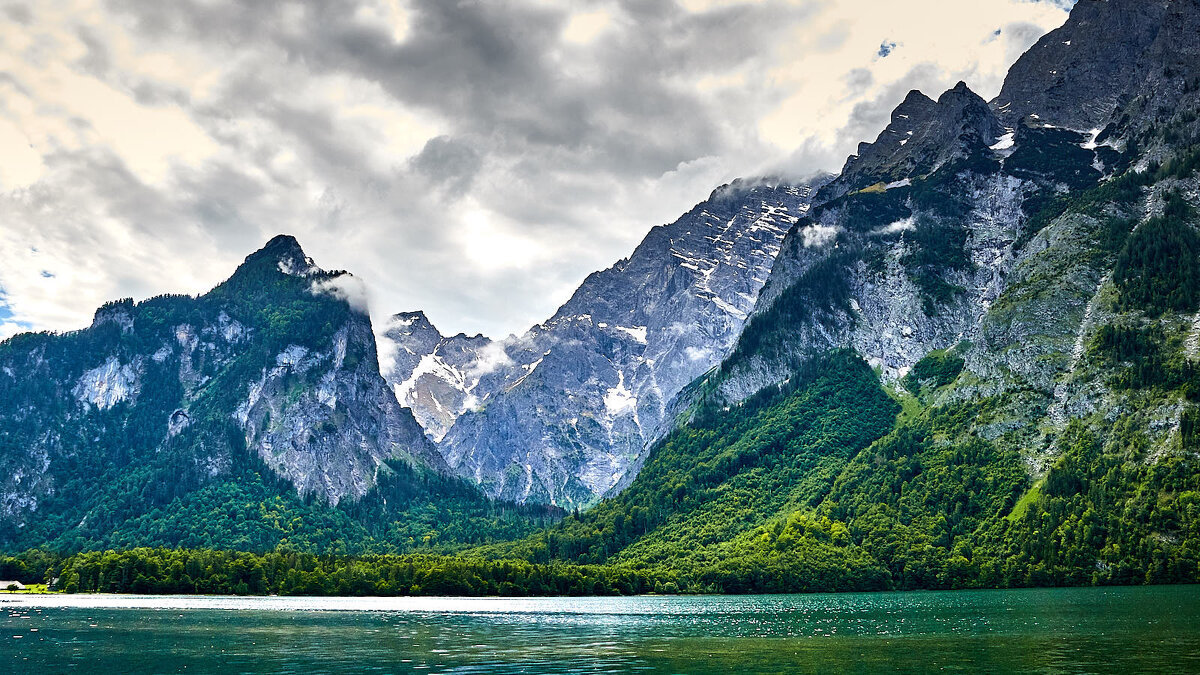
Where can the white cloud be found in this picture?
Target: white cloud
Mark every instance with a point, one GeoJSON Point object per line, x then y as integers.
{"type": "Point", "coordinates": [344, 287]}
{"type": "Point", "coordinates": [903, 225]}
{"type": "Point", "coordinates": [491, 358]}
{"type": "Point", "coordinates": [475, 160]}
{"type": "Point", "coordinates": [816, 236]}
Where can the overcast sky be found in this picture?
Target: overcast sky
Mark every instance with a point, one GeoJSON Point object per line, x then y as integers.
{"type": "Point", "coordinates": [472, 159]}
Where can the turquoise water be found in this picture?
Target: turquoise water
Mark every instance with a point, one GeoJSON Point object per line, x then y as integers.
{"type": "Point", "coordinates": [1116, 630]}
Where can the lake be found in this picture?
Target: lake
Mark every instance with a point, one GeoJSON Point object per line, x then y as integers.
{"type": "Point", "coordinates": [1104, 630]}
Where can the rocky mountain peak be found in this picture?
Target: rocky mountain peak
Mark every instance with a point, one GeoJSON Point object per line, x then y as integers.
{"type": "Point", "coordinates": [403, 324]}
{"type": "Point", "coordinates": [922, 136]}
{"type": "Point", "coordinates": [916, 102]}
{"type": "Point", "coordinates": [408, 336]}
{"type": "Point", "coordinates": [959, 92]}
{"type": "Point", "coordinates": [283, 251]}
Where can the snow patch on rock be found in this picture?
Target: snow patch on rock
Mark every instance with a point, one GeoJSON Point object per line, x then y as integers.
{"type": "Point", "coordinates": [638, 333]}
{"type": "Point", "coordinates": [619, 400]}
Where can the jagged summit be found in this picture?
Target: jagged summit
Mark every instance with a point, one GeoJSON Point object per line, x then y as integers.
{"type": "Point", "coordinates": [958, 91]}
{"type": "Point", "coordinates": [914, 98]}
{"type": "Point", "coordinates": [409, 322]}
{"type": "Point", "coordinates": [922, 136]}
{"type": "Point", "coordinates": [282, 241]}
{"type": "Point", "coordinates": [409, 336]}
{"type": "Point", "coordinates": [285, 252]}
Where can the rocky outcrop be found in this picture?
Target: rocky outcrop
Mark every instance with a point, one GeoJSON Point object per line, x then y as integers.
{"type": "Point", "coordinates": [326, 421]}
{"type": "Point", "coordinates": [1076, 75]}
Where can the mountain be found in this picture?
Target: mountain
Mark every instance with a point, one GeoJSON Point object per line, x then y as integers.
{"type": "Point", "coordinates": [975, 361]}
{"type": "Point", "coordinates": [923, 135]}
{"type": "Point", "coordinates": [563, 413]}
{"type": "Point", "coordinates": [919, 264]}
{"type": "Point", "coordinates": [1076, 75]}
{"type": "Point", "coordinates": [437, 376]}
{"type": "Point", "coordinates": [256, 411]}
{"type": "Point", "coordinates": [971, 359]}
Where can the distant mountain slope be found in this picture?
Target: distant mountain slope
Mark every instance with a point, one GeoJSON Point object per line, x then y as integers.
{"type": "Point", "coordinates": [560, 414]}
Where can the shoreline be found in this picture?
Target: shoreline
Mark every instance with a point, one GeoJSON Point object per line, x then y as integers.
{"type": "Point", "coordinates": [151, 600]}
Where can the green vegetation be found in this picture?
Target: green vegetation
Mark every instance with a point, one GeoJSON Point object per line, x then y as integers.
{"type": "Point", "coordinates": [1139, 357]}
{"type": "Point", "coordinates": [937, 249]}
{"type": "Point", "coordinates": [1106, 515]}
{"type": "Point", "coordinates": [1158, 270]}
{"type": "Point", "coordinates": [938, 369]}
{"type": "Point", "coordinates": [1121, 192]}
{"type": "Point", "coordinates": [146, 570]}
{"type": "Point", "coordinates": [1053, 155]}
{"type": "Point", "coordinates": [694, 507]}
{"type": "Point", "coordinates": [822, 294]}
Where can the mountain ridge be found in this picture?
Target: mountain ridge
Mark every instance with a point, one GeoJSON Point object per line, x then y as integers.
{"type": "Point", "coordinates": [561, 412]}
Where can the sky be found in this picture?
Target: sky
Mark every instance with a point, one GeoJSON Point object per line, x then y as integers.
{"type": "Point", "coordinates": [472, 159]}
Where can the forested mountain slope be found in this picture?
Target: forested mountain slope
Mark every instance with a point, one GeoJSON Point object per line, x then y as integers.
{"type": "Point", "coordinates": [249, 417]}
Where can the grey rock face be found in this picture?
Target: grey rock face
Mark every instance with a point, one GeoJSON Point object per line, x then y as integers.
{"type": "Point", "coordinates": [854, 273]}
{"type": "Point", "coordinates": [882, 311]}
{"type": "Point", "coordinates": [436, 377]}
{"type": "Point", "coordinates": [561, 413]}
{"type": "Point", "coordinates": [327, 424]}
{"type": "Point", "coordinates": [1076, 75]}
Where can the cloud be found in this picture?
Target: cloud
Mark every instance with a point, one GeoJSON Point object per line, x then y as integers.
{"type": "Point", "coordinates": [903, 225]}
{"type": "Point", "coordinates": [492, 357]}
{"type": "Point", "coordinates": [817, 236]}
{"type": "Point", "coordinates": [473, 159]}
{"type": "Point", "coordinates": [345, 287]}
